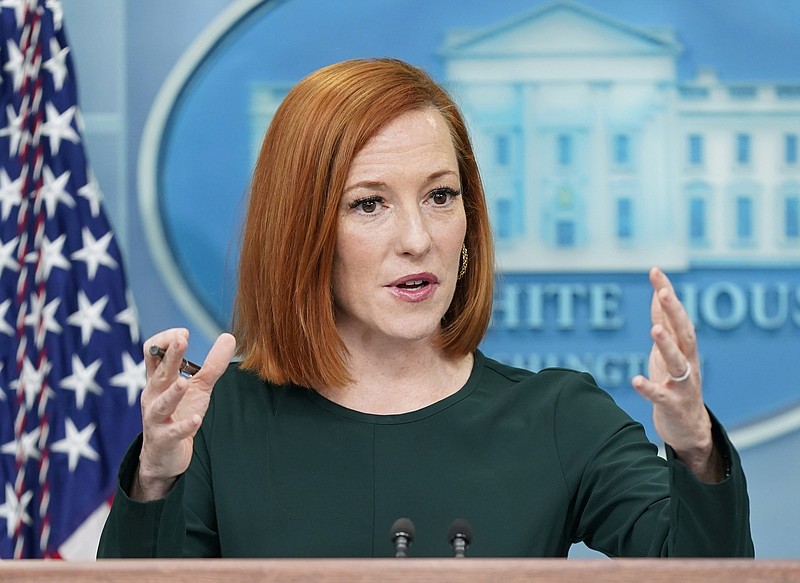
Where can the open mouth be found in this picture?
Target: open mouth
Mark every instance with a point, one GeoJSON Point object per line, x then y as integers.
{"type": "Point", "coordinates": [415, 284]}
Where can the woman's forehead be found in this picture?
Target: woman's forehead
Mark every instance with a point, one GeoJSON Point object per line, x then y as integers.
{"type": "Point", "coordinates": [419, 140]}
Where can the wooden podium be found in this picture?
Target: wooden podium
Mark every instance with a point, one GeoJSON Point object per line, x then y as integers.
{"type": "Point", "coordinates": [403, 570]}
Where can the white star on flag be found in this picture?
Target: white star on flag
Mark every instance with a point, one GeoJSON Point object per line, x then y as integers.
{"type": "Point", "coordinates": [10, 193]}
{"type": "Point", "coordinates": [14, 510]}
{"type": "Point", "coordinates": [7, 258]}
{"type": "Point", "coordinates": [5, 327]}
{"type": "Point", "coordinates": [91, 192]}
{"type": "Point", "coordinates": [76, 444]}
{"type": "Point", "coordinates": [130, 317]}
{"type": "Point", "coordinates": [58, 12]}
{"type": "Point", "coordinates": [57, 63]}
{"type": "Point", "coordinates": [19, 9]}
{"type": "Point", "coordinates": [132, 377]}
{"type": "Point", "coordinates": [26, 447]}
{"type": "Point", "coordinates": [94, 252]}
{"type": "Point", "coordinates": [31, 380]}
{"type": "Point", "coordinates": [51, 256]}
{"type": "Point", "coordinates": [89, 316]}
{"type": "Point", "coordinates": [82, 380]}
{"type": "Point", "coordinates": [15, 63]}
{"type": "Point", "coordinates": [43, 317]}
{"type": "Point", "coordinates": [53, 191]}
{"type": "Point", "coordinates": [13, 130]}
{"type": "Point", "coordinates": [59, 126]}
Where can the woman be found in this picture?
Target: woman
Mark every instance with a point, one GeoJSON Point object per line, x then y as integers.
{"type": "Point", "coordinates": [365, 286]}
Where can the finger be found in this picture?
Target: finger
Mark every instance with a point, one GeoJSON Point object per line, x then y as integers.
{"type": "Point", "coordinates": [662, 290]}
{"type": "Point", "coordinates": [165, 405]}
{"type": "Point", "coordinates": [676, 319]}
{"type": "Point", "coordinates": [175, 431]}
{"type": "Point", "coordinates": [665, 295]}
{"type": "Point", "coordinates": [186, 427]}
{"type": "Point", "coordinates": [217, 360]}
{"type": "Point", "coordinates": [656, 312]}
{"type": "Point", "coordinates": [652, 391]}
{"type": "Point", "coordinates": [162, 340]}
{"type": "Point", "coordinates": [674, 360]}
{"type": "Point", "coordinates": [168, 370]}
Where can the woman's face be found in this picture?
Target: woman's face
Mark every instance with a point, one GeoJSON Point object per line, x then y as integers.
{"type": "Point", "coordinates": [400, 230]}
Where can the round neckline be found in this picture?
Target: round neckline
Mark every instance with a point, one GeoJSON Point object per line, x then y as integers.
{"type": "Point", "coordinates": [410, 416]}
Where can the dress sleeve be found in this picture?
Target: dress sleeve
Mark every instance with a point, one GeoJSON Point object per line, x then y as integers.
{"type": "Point", "coordinates": [628, 501]}
{"type": "Point", "coordinates": [716, 515]}
{"type": "Point", "coordinates": [168, 528]}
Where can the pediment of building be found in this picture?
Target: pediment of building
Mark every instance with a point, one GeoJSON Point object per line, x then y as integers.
{"type": "Point", "coordinates": [563, 28]}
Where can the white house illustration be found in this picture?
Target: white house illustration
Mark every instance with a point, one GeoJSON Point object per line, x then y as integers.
{"type": "Point", "coordinates": [596, 158]}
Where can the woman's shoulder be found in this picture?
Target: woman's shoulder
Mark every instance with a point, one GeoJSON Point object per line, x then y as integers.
{"type": "Point", "coordinates": [241, 388]}
{"type": "Point", "coordinates": [571, 399]}
{"type": "Point", "coordinates": [562, 388]}
{"type": "Point", "coordinates": [554, 378]}
{"type": "Point", "coordinates": [243, 405]}
{"type": "Point", "coordinates": [237, 375]}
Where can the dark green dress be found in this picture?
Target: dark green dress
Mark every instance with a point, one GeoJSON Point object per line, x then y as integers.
{"type": "Point", "coordinates": [533, 461]}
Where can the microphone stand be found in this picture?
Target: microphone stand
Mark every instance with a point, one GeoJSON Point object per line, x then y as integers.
{"type": "Point", "coordinates": [460, 535]}
{"type": "Point", "coordinates": [401, 535]}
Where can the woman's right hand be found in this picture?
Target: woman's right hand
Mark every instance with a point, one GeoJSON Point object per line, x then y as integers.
{"type": "Point", "coordinates": [173, 408]}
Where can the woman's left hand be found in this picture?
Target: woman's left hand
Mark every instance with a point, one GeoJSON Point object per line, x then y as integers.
{"type": "Point", "coordinates": [674, 387]}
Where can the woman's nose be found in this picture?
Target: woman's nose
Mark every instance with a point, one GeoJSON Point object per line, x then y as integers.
{"type": "Point", "coordinates": [414, 237]}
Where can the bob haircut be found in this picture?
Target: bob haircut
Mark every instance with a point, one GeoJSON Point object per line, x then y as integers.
{"type": "Point", "coordinates": [284, 311]}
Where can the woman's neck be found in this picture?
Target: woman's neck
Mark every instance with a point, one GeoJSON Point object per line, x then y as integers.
{"type": "Point", "coordinates": [399, 379]}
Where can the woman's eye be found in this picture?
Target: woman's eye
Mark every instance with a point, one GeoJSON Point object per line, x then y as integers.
{"type": "Point", "coordinates": [366, 205]}
{"type": "Point", "coordinates": [442, 196]}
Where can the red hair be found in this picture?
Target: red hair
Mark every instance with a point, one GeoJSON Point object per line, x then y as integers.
{"type": "Point", "coordinates": [283, 314]}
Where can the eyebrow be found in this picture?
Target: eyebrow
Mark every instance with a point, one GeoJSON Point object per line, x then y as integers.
{"type": "Point", "coordinates": [380, 185]}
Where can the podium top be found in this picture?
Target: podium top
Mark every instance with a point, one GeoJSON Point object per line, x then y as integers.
{"type": "Point", "coordinates": [404, 570]}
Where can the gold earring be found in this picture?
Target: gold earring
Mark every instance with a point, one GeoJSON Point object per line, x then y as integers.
{"type": "Point", "coordinates": [464, 261]}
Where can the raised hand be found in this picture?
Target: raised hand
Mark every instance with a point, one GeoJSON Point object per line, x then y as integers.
{"type": "Point", "coordinates": [173, 408]}
{"type": "Point", "coordinates": [675, 387]}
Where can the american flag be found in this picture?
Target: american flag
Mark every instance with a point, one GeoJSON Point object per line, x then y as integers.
{"type": "Point", "coordinates": [71, 368]}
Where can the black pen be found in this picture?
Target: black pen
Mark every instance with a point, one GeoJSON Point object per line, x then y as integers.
{"type": "Point", "coordinates": [187, 368]}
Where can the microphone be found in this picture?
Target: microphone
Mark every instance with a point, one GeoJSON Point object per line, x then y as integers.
{"type": "Point", "coordinates": [459, 536]}
{"type": "Point", "coordinates": [401, 535]}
